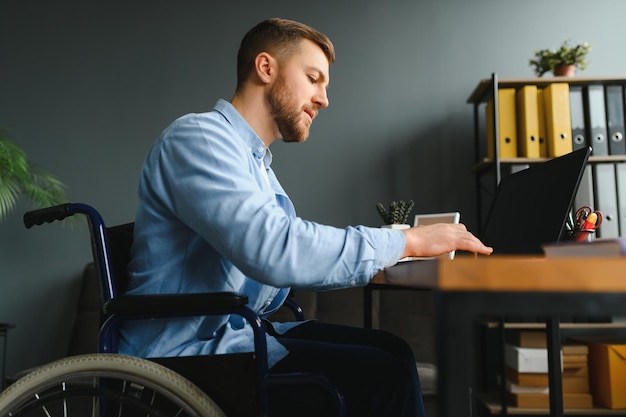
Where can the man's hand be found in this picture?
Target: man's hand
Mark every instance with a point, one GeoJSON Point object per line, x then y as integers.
{"type": "Point", "coordinates": [437, 239]}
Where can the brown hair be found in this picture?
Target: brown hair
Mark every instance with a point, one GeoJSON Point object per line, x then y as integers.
{"type": "Point", "coordinates": [280, 38]}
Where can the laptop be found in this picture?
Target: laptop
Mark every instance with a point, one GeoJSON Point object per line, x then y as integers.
{"type": "Point", "coordinates": [531, 207]}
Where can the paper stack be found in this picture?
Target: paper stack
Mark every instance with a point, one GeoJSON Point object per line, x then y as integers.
{"type": "Point", "coordinates": [527, 372]}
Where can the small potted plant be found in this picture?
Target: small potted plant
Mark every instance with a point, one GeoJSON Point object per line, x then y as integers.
{"type": "Point", "coordinates": [397, 216]}
{"type": "Point", "coordinates": [18, 177]}
{"type": "Point", "coordinates": [563, 61]}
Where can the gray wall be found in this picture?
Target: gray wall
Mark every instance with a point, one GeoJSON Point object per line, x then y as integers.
{"type": "Point", "coordinates": [87, 86]}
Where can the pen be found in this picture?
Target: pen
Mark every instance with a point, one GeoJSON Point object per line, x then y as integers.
{"type": "Point", "coordinates": [590, 222]}
{"type": "Point", "coordinates": [587, 227]}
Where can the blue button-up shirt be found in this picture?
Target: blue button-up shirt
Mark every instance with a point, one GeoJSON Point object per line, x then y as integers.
{"type": "Point", "coordinates": [213, 217]}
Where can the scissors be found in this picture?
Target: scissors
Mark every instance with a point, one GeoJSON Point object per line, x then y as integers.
{"type": "Point", "coordinates": [585, 221]}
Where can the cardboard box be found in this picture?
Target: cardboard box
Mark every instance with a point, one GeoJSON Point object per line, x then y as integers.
{"type": "Point", "coordinates": [525, 389]}
{"type": "Point", "coordinates": [573, 382]}
{"type": "Point", "coordinates": [535, 360]}
{"type": "Point", "coordinates": [529, 339]}
{"type": "Point", "coordinates": [607, 374]}
{"type": "Point", "coordinates": [543, 400]}
{"type": "Point", "coordinates": [574, 349]}
{"type": "Point", "coordinates": [526, 379]}
{"type": "Point", "coordinates": [575, 385]}
{"type": "Point", "coordinates": [526, 360]}
{"type": "Point", "coordinates": [574, 361]}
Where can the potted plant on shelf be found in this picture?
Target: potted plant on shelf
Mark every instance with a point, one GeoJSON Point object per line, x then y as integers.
{"type": "Point", "coordinates": [563, 61]}
{"type": "Point", "coordinates": [397, 215]}
{"type": "Point", "coordinates": [19, 178]}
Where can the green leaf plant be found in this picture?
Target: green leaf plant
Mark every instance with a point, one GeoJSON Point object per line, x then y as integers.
{"type": "Point", "coordinates": [19, 178]}
{"type": "Point", "coordinates": [398, 212]}
{"type": "Point", "coordinates": [546, 60]}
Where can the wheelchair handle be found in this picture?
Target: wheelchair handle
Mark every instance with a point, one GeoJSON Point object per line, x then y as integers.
{"type": "Point", "coordinates": [60, 212]}
{"type": "Point", "coordinates": [47, 215]}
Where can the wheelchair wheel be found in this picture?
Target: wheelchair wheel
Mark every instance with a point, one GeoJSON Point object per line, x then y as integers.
{"type": "Point", "coordinates": [105, 385]}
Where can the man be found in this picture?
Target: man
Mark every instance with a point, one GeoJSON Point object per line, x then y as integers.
{"type": "Point", "coordinates": [213, 217]}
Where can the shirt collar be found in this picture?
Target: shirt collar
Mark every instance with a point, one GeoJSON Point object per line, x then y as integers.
{"type": "Point", "coordinates": [247, 134]}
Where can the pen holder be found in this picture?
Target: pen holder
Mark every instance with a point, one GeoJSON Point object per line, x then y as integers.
{"type": "Point", "coordinates": [585, 236]}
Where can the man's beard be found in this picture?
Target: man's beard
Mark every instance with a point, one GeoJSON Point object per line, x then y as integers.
{"type": "Point", "coordinates": [287, 118]}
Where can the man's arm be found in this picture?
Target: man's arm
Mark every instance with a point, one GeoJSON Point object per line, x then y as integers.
{"type": "Point", "coordinates": [211, 185]}
{"type": "Point", "coordinates": [436, 239]}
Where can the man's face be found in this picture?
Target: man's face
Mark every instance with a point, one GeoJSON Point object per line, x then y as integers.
{"type": "Point", "coordinates": [299, 92]}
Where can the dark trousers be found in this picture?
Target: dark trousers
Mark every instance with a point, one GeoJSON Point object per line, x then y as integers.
{"type": "Point", "coordinates": [374, 371]}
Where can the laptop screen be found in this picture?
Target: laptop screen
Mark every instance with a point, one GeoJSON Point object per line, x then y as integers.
{"type": "Point", "coordinates": [531, 207]}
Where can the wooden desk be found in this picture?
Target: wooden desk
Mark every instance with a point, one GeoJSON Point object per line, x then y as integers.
{"type": "Point", "coordinates": [468, 288]}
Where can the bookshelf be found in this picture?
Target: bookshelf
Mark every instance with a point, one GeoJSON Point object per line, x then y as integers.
{"type": "Point", "coordinates": [493, 396]}
{"type": "Point", "coordinates": [492, 404]}
{"type": "Point", "coordinates": [489, 171]}
{"type": "Point", "coordinates": [489, 168]}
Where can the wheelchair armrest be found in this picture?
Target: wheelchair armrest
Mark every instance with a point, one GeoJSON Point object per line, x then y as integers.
{"type": "Point", "coordinates": [131, 307]}
{"type": "Point", "coordinates": [295, 309]}
{"type": "Point", "coordinates": [171, 305]}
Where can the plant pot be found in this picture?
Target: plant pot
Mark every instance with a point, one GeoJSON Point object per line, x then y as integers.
{"type": "Point", "coordinates": [396, 226]}
{"type": "Point", "coordinates": [565, 70]}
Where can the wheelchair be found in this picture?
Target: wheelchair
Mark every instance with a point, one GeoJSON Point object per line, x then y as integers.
{"type": "Point", "coordinates": [108, 384]}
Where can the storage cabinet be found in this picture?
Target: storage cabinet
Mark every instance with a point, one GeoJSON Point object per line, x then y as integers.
{"type": "Point", "coordinates": [595, 117]}
{"type": "Point", "coordinates": [494, 398]}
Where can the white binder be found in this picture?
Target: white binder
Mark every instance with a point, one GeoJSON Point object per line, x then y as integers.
{"type": "Point", "coordinates": [606, 199]}
{"type": "Point", "coordinates": [577, 110]}
{"type": "Point", "coordinates": [620, 175]}
{"type": "Point", "coordinates": [596, 120]}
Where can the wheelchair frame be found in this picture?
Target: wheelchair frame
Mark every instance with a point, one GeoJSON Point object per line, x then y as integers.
{"type": "Point", "coordinates": [18, 398]}
{"type": "Point", "coordinates": [105, 384]}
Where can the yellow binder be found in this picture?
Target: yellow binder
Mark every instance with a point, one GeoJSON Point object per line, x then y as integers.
{"type": "Point", "coordinates": [558, 119]}
{"type": "Point", "coordinates": [541, 122]}
{"type": "Point", "coordinates": [527, 122]}
{"type": "Point", "coordinates": [507, 132]}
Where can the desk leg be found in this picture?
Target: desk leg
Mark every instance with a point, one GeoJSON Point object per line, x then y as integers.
{"type": "Point", "coordinates": [454, 333]}
{"type": "Point", "coordinates": [554, 366]}
{"type": "Point", "coordinates": [367, 307]}
{"type": "Point", "coordinates": [503, 391]}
